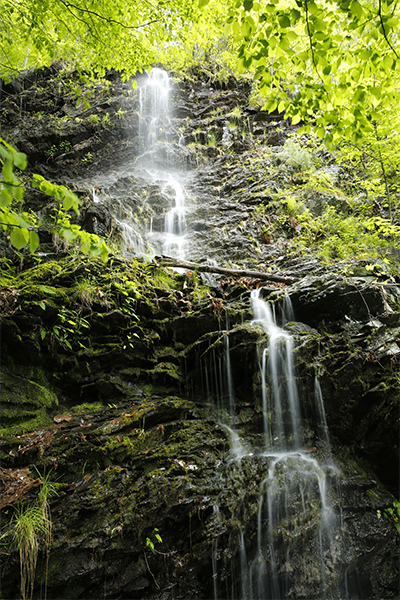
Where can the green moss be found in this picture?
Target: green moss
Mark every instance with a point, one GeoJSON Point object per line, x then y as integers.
{"type": "Point", "coordinates": [46, 272]}
{"type": "Point", "coordinates": [87, 407]}
{"type": "Point", "coordinates": [25, 403]}
{"type": "Point", "coordinates": [165, 280]}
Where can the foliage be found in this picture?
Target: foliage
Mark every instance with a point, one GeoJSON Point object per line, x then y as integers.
{"type": "Point", "coordinates": [337, 237]}
{"type": "Point", "coordinates": [20, 226]}
{"type": "Point", "coordinates": [90, 35]}
{"type": "Point", "coordinates": [332, 63]}
{"type": "Point", "coordinates": [392, 514]}
{"type": "Point", "coordinates": [70, 328]}
{"type": "Point", "coordinates": [30, 527]}
{"type": "Point", "coordinates": [150, 543]}
{"type": "Point", "coordinates": [64, 147]}
{"type": "Point", "coordinates": [296, 155]}
{"type": "Point", "coordinates": [375, 162]}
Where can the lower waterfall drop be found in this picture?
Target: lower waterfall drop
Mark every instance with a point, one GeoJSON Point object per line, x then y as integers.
{"type": "Point", "coordinates": [296, 509]}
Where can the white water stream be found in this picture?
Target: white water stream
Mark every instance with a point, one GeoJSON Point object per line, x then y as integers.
{"type": "Point", "coordinates": [299, 494]}
{"type": "Point", "coordinates": [154, 121]}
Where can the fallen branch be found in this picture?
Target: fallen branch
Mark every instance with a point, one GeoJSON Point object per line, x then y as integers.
{"type": "Point", "coordinates": [168, 261]}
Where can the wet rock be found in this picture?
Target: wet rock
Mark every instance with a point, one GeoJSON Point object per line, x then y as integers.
{"type": "Point", "coordinates": [321, 300]}
{"type": "Point", "coordinates": [160, 434]}
{"type": "Point", "coordinates": [97, 220]}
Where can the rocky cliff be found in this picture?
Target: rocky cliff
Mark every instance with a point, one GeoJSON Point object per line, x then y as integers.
{"type": "Point", "coordinates": [115, 377]}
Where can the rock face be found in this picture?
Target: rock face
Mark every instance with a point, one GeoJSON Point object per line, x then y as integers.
{"type": "Point", "coordinates": [139, 391]}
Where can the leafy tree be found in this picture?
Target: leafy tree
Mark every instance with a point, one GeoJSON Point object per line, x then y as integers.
{"type": "Point", "coordinates": [332, 62]}
{"type": "Point", "coordinates": [375, 162]}
{"type": "Point", "coordinates": [92, 34]}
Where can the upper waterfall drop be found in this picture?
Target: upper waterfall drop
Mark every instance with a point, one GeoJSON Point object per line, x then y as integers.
{"type": "Point", "coordinates": [154, 125]}
{"type": "Point", "coordinates": [153, 108]}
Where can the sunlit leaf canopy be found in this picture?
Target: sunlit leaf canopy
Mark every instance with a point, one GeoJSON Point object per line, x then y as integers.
{"type": "Point", "coordinates": [337, 62]}
{"type": "Point", "coordinates": [95, 35]}
{"type": "Point", "coordinates": [331, 64]}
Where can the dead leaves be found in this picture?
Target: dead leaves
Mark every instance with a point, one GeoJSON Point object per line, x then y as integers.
{"type": "Point", "coordinates": [14, 485]}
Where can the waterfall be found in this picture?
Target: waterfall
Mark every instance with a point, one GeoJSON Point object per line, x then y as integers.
{"type": "Point", "coordinates": [154, 123]}
{"type": "Point", "coordinates": [153, 109]}
{"type": "Point", "coordinates": [160, 197]}
{"type": "Point", "coordinates": [299, 493]}
{"type": "Point", "coordinates": [279, 366]}
{"type": "Point", "coordinates": [323, 426]}
{"type": "Point", "coordinates": [175, 223]}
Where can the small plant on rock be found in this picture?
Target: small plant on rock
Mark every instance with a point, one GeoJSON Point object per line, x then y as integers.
{"type": "Point", "coordinates": [87, 159]}
{"type": "Point", "coordinates": [30, 529]}
{"type": "Point", "coordinates": [296, 156]}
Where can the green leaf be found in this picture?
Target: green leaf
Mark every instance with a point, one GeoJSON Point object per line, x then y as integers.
{"type": "Point", "coordinates": [245, 29]}
{"type": "Point", "coordinates": [21, 221]}
{"type": "Point", "coordinates": [67, 202]}
{"type": "Point", "coordinates": [95, 250]}
{"type": "Point", "coordinates": [20, 160]}
{"type": "Point", "coordinates": [296, 119]}
{"type": "Point", "coordinates": [19, 238]}
{"type": "Point", "coordinates": [388, 62]}
{"type": "Point", "coordinates": [8, 171]}
{"type": "Point", "coordinates": [68, 234]}
{"type": "Point", "coordinates": [104, 253]}
{"type": "Point", "coordinates": [46, 289]}
{"type": "Point", "coordinates": [248, 4]}
{"type": "Point", "coordinates": [284, 43]}
{"type": "Point", "coordinates": [356, 9]}
{"type": "Point", "coordinates": [284, 21]}
{"type": "Point", "coordinates": [149, 544]}
{"type": "Point", "coordinates": [5, 198]}
{"type": "Point", "coordinates": [203, 3]}
{"type": "Point", "coordinates": [34, 241]}
{"type": "Point", "coordinates": [295, 16]}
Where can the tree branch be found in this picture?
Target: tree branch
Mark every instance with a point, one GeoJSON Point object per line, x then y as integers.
{"type": "Point", "coordinates": [311, 45]}
{"type": "Point", "coordinates": [67, 6]}
{"type": "Point", "coordinates": [10, 225]}
{"type": "Point", "coordinates": [384, 30]}
{"type": "Point", "coordinates": [168, 261]}
{"type": "Point", "coordinates": [103, 18]}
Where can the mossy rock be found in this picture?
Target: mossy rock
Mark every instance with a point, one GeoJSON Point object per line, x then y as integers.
{"type": "Point", "coordinates": [25, 403]}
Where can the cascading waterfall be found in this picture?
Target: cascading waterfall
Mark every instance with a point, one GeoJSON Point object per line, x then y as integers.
{"type": "Point", "coordinates": [153, 109]}
{"type": "Point", "coordinates": [154, 121]}
{"type": "Point", "coordinates": [164, 192]}
{"type": "Point", "coordinates": [298, 494]}
{"type": "Point", "coordinates": [175, 223]}
{"type": "Point", "coordinates": [284, 396]}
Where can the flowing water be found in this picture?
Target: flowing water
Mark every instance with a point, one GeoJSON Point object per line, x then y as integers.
{"type": "Point", "coordinates": [293, 508]}
{"type": "Point", "coordinates": [154, 124]}
{"type": "Point", "coordinates": [297, 508]}
{"type": "Point", "coordinates": [147, 195]}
